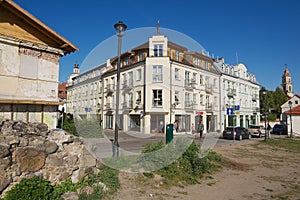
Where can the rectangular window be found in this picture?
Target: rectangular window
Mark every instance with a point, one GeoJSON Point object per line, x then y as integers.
{"type": "Point", "coordinates": [177, 55]}
{"type": "Point", "coordinates": [201, 99]}
{"type": "Point", "coordinates": [176, 74]}
{"type": "Point", "coordinates": [206, 65]}
{"type": "Point", "coordinates": [138, 97]}
{"type": "Point", "coordinates": [194, 99]}
{"type": "Point", "coordinates": [140, 56]}
{"type": "Point", "coordinates": [196, 61]}
{"type": "Point", "coordinates": [157, 98]}
{"type": "Point", "coordinates": [130, 79]}
{"type": "Point", "coordinates": [201, 79]}
{"type": "Point", "coordinates": [187, 78]}
{"type": "Point", "coordinates": [139, 75]}
{"type": "Point", "coordinates": [187, 99]}
{"type": "Point", "coordinates": [176, 97]}
{"type": "Point", "coordinates": [157, 73]}
{"type": "Point", "coordinates": [194, 78]}
{"type": "Point", "coordinates": [158, 50]}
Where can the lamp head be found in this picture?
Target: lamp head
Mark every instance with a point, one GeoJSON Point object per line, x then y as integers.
{"type": "Point", "coordinates": [120, 28]}
{"type": "Point", "coordinates": [290, 103]}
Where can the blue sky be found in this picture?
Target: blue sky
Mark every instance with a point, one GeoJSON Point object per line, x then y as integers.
{"type": "Point", "coordinates": [264, 33]}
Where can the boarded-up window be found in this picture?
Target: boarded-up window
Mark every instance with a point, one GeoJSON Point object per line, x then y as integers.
{"type": "Point", "coordinates": [29, 66]}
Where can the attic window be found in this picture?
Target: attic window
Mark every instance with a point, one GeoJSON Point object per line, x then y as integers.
{"type": "Point", "coordinates": [158, 50]}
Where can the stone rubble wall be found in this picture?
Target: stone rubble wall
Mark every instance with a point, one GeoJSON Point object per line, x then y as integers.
{"type": "Point", "coordinates": [31, 149]}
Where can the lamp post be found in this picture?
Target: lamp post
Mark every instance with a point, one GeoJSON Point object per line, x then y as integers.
{"type": "Point", "coordinates": [120, 31]}
{"type": "Point", "coordinates": [290, 104]}
{"type": "Point", "coordinates": [265, 113]}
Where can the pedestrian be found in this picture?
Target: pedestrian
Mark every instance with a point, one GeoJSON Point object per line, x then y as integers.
{"type": "Point", "coordinates": [200, 129]}
{"type": "Point", "coordinates": [193, 129]}
{"type": "Point", "coordinates": [175, 126]}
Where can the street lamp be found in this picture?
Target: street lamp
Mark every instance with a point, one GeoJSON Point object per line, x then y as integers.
{"type": "Point", "coordinates": [290, 104]}
{"type": "Point", "coordinates": [265, 113]}
{"type": "Point", "coordinates": [120, 31]}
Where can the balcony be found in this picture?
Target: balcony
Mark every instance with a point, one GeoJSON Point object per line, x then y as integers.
{"type": "Point", "coordinates": [190, 105]}
{"type": "Point", "coordinates": [189, 84]}
{"type": "Point", "coordinates": [127, 85]}
{"type": "Point", "coordinates": [254, 97]}
{"type": "Point", "coordinates": [231, 92]}
{"type": "Point", "coordinates": [108, 106]}
{"type": "Point", "coordinates": [208, 107]}
{"type": "Point", "coordinates": [109, 89]}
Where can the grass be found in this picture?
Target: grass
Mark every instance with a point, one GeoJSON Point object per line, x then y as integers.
{"type": "Point", "coordinates": [287, 143]}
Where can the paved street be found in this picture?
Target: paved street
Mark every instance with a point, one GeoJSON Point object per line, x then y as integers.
{"type": "Point", "coordinates": [133, 142]}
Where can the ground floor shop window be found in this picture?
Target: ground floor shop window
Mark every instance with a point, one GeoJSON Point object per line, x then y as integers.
{"type": "Point", "coordinates": [109, 121]}
{"type": "Point", "coordinates": [184, 123]}
{"type": "Point", "coordinates": [157, 123]}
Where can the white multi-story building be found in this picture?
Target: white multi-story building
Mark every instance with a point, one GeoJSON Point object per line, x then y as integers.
{"type": "Point", "coordinates": [162, 82]}
{"type": "Point", "coordinates": [239, 95]}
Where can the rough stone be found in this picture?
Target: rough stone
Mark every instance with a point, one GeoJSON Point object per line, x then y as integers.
{"type": "Point", "coordinates": [19, 126]}
{"type": "Point", "coordinates": [4, 150]}
{"type": "Point", "coordinates": [5, 163]}
{"type": "Point", "coordinates": [30, 159]}
{"type": "Point", "coordinates": [86, 159]}
{"type": "Point", "coordinates": [54, 160]}
{"type": "Point", "coordinates": [70, 196]}
{"type": "Point", "coordinates": [4, 182]}
{"type": "Point", "coordinates": [50, 147]}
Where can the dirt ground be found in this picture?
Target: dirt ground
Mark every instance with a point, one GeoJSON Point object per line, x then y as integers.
{"type": "Point", "coordinates": [255, 171]}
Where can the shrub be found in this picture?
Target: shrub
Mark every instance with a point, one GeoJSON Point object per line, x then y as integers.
{"type": "Point", "coordinates": [31, 189]}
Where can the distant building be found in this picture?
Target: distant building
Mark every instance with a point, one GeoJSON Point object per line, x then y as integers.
{"type": "Point", "coordinates": [62, 96]}
{"type": "Point", "coordinates": [29, 67]}
{"type": "Point", "coordinates": [295, 116]}
{"type": "Point", "coordinates": [287, 85]}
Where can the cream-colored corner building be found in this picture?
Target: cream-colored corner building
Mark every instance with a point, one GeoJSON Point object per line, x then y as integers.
{"type": "Point", "coordinates": [29, 66]}
{"type": "Point", "coordinates": [160, 83]}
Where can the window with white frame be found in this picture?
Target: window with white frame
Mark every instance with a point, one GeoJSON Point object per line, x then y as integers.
{"type": "Point", "coordinates": [177, 55]}
{"type": "Point", "coordinates": [187, 78]}
{"type": "Point", "coordinates": [158, 50]}
{"type": "Point", "coordinates": [157, 73]}
{"type": "Point", "coordinates": [194, 99]}
{"type": "Point", "coordinates": [194, 78]}
{"type": "Point", "coordinates": [124, 79]}
{"type": "Point", "coordinates": [139, 75]}
{"type": "Point", "coordinates": [177, 74]}
{"type": "Point", "coordinates": [201, 99]}
{"type": "Point", "coordinates": [206, 65]}
{"type": "Point", "coordinates": [130, 79]}
{"type": "Point", "coordinates": [138, 97]}
{"type": "Point", "coordinates": [201, 79]}
{"type": "Point", "coordinates": [187, 100]}
{"type": "Point", "coordinates": [196, 61]}
{"type": "Point", "coordinates": [157, 98]}
{"type": "Point", "coordinates": [140, 56]}
{"type": "Point", "coordinates": [176, 97]}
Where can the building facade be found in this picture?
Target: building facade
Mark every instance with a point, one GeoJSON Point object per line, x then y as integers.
{"type": "Point", "coordinates": [162, 82]}
{"type": "Point", "coordinates": [239, 95]}
{"type": "Point", "coordinates": [29, 67]}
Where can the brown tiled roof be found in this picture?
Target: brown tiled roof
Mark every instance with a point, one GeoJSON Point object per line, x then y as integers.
{"type": "Point", "coordinates": [295, 111]}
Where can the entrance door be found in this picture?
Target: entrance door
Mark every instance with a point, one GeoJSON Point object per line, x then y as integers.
{"type": "Point", "coordinates": [109, 121]}
{"type": "Point", "coordinates": [135, 123]}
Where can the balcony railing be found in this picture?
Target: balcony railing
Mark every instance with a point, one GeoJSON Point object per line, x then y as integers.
{"type": "Point", "coordinates": [189, 84]}
{"type": "Point", "coordinates": [208, 107]}
{"type": "Point", "coordinates": [231, 92]}
{"type": "Point", "coordinates": [255, 96]}
{"type": "Point", "coordinates": [109, 89]}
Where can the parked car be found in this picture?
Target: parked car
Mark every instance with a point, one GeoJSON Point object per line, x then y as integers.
{"type": "Point", "coordinates": [236, 132]}
{"type": "Point", "coordinates": [280, 129]}
{"type": "Point", "coordinates": [257, 130]}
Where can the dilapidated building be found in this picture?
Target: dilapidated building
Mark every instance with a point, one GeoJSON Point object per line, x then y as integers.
{"type": "Point", "coordinates": [29, 66]}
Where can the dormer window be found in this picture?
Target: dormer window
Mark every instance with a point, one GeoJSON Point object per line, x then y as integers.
{"type": "Point", "coordinates": [158, 50]}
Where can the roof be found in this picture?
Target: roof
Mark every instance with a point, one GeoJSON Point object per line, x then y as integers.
{"type": "Point", "coordinates": [16, 16]}
{"type": "Point", "coordinates": [286, 72]}
{"type": "Point", "coordinates": [295, 111]}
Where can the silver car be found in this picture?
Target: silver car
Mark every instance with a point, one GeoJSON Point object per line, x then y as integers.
{"type": "Point", "coordinates": [257, 130]}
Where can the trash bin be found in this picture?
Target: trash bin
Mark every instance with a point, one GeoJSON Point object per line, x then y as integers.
{"type": "Point", "coordinates": [169, 133]}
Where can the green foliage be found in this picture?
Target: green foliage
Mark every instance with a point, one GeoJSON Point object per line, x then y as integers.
{"type": "Point", "coordinates": [69, 124]}
{"type": "Point", "coordinates": [271, 102]}
{"type": "Point", "coordinates": [31, 189]}
{"type": "Point", "coordinates": [188, 168]}
{"type": "Point", "coordinates": [288, 144]}
{"type": "Point", "coordinates": [110, 178]}
{"type": "Point", "coordinates": [89, 128]}
{"type": "Point", "coordinates": [41, 189]}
